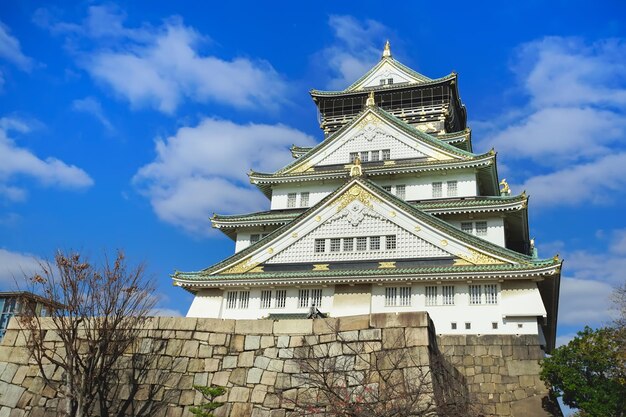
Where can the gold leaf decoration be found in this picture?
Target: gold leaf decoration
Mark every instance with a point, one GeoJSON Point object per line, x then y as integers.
{"type": "Point", "coordinates": [477, 258]}
{"type": "Point", "coordinates": [241, 267]}
{"type": "Point", "coordinates": [356, 192]}
{"type": "Point", "coordinates": [369, 119]}
{"type": "Point", "coordinates": [320, 267]}
{"type": "Point", "coordinates": [386, 265]}
{"type": "Point", "coordinates": [257, 269]}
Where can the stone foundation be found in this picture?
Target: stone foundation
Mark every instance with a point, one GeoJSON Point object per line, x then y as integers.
{"type": "Point", "coordinates": [257, 361]}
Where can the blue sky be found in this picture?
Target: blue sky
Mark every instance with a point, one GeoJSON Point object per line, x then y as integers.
{"type": "Point", "coordinates": [126, 126]}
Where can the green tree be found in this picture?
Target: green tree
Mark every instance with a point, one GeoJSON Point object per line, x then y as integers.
{"type": "Point", "coordinates": [588, 373]}
{"type": "Point", "coordinates": [209, 394]}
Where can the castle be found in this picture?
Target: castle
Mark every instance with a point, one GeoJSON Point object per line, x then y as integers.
{"type": "Point", "coordinates": [392, 211]}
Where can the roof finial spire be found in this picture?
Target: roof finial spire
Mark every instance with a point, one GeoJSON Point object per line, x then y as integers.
{"type": "Point", "coordinates": [387, 51]}
{"type": "Point", "coordinates": [370, 100]}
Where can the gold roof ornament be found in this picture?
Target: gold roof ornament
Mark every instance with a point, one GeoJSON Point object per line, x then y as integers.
{"type": "Point", "coordinates": [505, 190]}
{"type": "Point", "coordinates": [370, 100]}
{"type": "Point", "coordinates": [387, 50]}
{"type": "Point", "coordinates": [355, 168]}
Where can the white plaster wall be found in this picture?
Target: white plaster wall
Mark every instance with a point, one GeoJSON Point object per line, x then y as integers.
{"type": "Point", "coordinates": [317, 191]}
{"type": "Point", "coordinates": [386, 71]}
{"type": "Point", "coordinates": [495, 228]}
{"type": "Point", "coordinates": [243, 236]}
{"type": "Point", "coordinates": [418, 187]}
{"type": "Point", "coordinates": [481, 317]}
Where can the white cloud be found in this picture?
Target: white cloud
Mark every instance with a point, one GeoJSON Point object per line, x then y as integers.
{"type": "Point", "coordinates": [161, 66]}
{"type": "Point", "coordinates": [14, 267]}
{"type": "Point", "coordinates": [573, 127]}
{"type": "Point", "coordinates": [202, 169]}
{"type": "Point", "coordinates": [584, 302]}
{"type": "Point", "coordinates": [16, 161]}
{"type": "Point", "coordinates": [358, 46]}
{"type": "Point", "coordinates": [92, 106]}
{"type": "Point", "coordinates": [11, 50]}
{"type": "Point", "coordinates": [165, 312]}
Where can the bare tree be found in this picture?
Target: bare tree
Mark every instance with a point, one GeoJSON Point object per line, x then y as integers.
{"type": "Point", "coordinates": [351, 378]}
{"type": "Point", "coordinates": [92, 340]}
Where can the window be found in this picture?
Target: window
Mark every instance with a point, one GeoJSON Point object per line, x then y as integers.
{"type": "Point", "coordinates": [453, 326]}
{"type": "Point", "coordinates": [382, 81]}
{"type": "Point", "coordinates": [389, 80]}
{"type": "Point", "coordinates": [481, 228]}
{"type": "Point", "coordinates": [291, 200]}
{"type": "Point", "coordinates": [520, 325]}
{"type": "Point", "coordinates": [304, 199]}
{"type": "Point", "coordinates": [467, 227]}
{"type": "Point", "coordinates": [375, 156]}
{"type": "Point", "coordinates": [375, 243]}
{"type": "Point", "coordinates": [320, 245]}
{"type": "Point", "coordinates": [387, 188]}
{"type": "Point", "coordinates": [353, 156]}
{"type": "Point", "coordinates": [431, 296]}
{"type": "Point", "coordinates": [437, 191]}
{"type": "Point", "coordinates": [303, 298]}
{"type": "Point", "coordinates": [452, 188]}
{"type": "Point", "coordinates": [405, 296]}
{"type": "Point", "coordinates": [244, 299]}
{"type": "Point", "coordinates": [386, 154]}
{"type": "Point", "coordinates": [448, 295]}
{"type": "Point", "coordinates": [468, 326]}
{"type": "Point", "coordinates": [401, 191]}
{"type": "Point", "coordinates": [316, 297]}
{"type": "Point", "coordinates": [231, 299]}
{"type": "Point", "coordinates": [491, 294]}
{"type": "Point", "coordinates": [494, 325]}
{"type": "Point", "coordinates": [335, 245]}
{"type": "Point", "coordinates": [475, 294]}
{"type": "Point", "coordinates": [364, 156]}
{"type": "Point", "coordinates": [255, 238]}
{"type": "Point", "coordinates": [390, 296]}
{"type": "Point", "coordinates": [266, 298]}
{"type": "Point", "coordinates": [361, 243]}
{"type": "Point", "coordinates": [390, 242]}
{"type": "Point", "coordinates": [348, 244]}
{"type": "Point", "coordinates": [281, 299]}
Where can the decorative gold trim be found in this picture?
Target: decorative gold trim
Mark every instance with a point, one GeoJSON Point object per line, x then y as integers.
{"type": "Point", "coordinates": [356, 192]}
{"type": "Point", "coordinates": [370, 118]}
{"type": "Point", "coordinates": [392, 213]}
{"type": "Point", "coordinates": [241, 267]}
{"type": "Point", "coordinates": [318, 218]}
{"type": "Point", "coordinates": [386, 265]}
{"type": "Point", "coordinates": [478, 258]}
{"type": "Point", "coordinates": [320, 267]}
{"type": "Point", "coordinates": [388, 162]}
{"type": "Point", "coordinates": [257, 269]}
{"type": "Point", "coordinates": [417, 228]}
{"type": "Point", "coordinates": [444, 242]}
{"type": "Point", "coordinates": [294, 235]}
{"type": "Point", "coordinates": [270, 250]}
{"type": "Point", "coordinates": [302, 168]}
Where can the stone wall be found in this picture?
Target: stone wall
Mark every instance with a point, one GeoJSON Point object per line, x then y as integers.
{"type": "Point", "coordinates": [260, 364]}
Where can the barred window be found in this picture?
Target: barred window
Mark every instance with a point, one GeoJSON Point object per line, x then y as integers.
{"type": "Point", "coordinates": [348, 244]}
{"type": "Point", "coordinates": [467, 227]}
{"type": "Point", "coordinates": [255, 238]}
{"type": "Point", "coordinates": [244, 299]}
{"type": "Point", "coordinates": [401, 191]}
{"type": "Point", "coordinates": [491, 294]}
{"type": "Point", "coordinates": [387, 188]}
{"type": "Point", "coordinates": [390, 242]}
{"type": "Point", "coordinates": [453, 326]}
{"type": "Point", "coordinates": [364, 156]}
{"type": "Point", "coordinates": [382, 81]}
{"type": "Point", "coordinates": [468, 326]}
{"type": "Point", "coordinates": [375, 243]}
{"type": "Point", "coordinates": [389, 80]}
{"type": "Point", "coordinates": [361, 243]}
{"type": "Point", "coordinates": [475, 294]}
{"type": "Point", "coordinates": [386, 154]}
{"type": "Point", "coordinates": [390, 296]}
{"type": "Point", "coordinates": [281, 299]}
{"type": "Point", "coordinates": [266, 298]}
{"type": "Point", "coordinates": [353, 156]}
{"type": "Point", "coordinates": [448, 295]}
{"type": "Point", "coordinates": [316, 297]}
{"type": "Point", "coordinates": [452, 188]}
{"type": "Point", "coordinates": [303, 298]}
{"type": "Point", "coordinates": [405, 296]}
{"type": "Point", "coordinates": [320, 245]}
{"type": "Point", "coordinates": [291, 200]}
{"type": "Point", "coordinates": [494, 325]}
{"type": "Point", "coordinates": [375, 156]}
{"type": "Point", "coordinates": [304, 199]}
{"type": "Point", "coordinates": [335, 245]}
{"type": "Point", "coordinates": [231, 299]}
{"type": "Point", "coordinates": [431, 296]}
{"type": "Point", "coordinates": [481, 228]}
{"type": "Point", "coordinates": [437, 190]}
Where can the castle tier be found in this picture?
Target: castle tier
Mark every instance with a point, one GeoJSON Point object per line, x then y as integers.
{"type": "Point", "coordinates": [392, 211]}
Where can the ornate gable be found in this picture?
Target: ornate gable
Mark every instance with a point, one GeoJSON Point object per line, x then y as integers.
{"type": "Point", "coordinates": [386, 71]}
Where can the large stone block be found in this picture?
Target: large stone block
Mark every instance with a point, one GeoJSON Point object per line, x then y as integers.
{"type": "Point", "coordinates": [252, 342]}
{"type": "Point", "coordinates": [408, 319]}
{"type": "Point", "coordinates": [292, 327]}
{"type": "Point", "coordinates": [416, 336]}
{"type": "Point", "coordinates": [254, 326]}
{"type": "Point", "coordinates": [11, 394]}
{"type": "Point", "coordinates": [216, 325]}
{"type": "Point", "coordinates": [523, 367]}
{"type": "Point", "coordinates": [353, 323]}
{"type": "Point", "coordinates": [325, 326]}
{"type": "Point", "coordinates": [239, 394]}
{"type": "Point", "coordinates": [177, 323]}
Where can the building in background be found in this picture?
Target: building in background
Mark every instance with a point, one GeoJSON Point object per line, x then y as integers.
{"type": "Point", "coordinates": [13, 303]}
{"type": "Point", "coordinates": [393, 211]}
